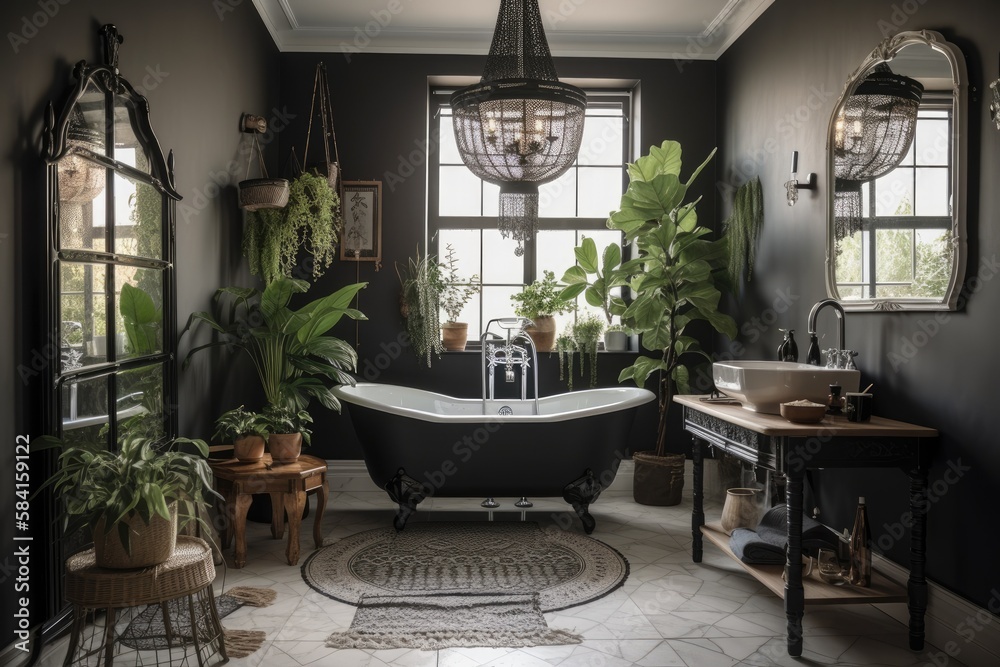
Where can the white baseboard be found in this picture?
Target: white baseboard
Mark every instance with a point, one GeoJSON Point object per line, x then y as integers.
{"type": "Point", "coordinates": [957, 628]}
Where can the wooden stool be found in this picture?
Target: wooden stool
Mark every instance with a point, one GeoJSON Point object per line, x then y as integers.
{"type": "Point", "coordinates": [184, 582]}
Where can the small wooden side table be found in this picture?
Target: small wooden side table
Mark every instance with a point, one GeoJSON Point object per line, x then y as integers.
{"type": "Point", "coordinates": [287, 483]}
{"type": "Point", "coordinates": [186, 578]}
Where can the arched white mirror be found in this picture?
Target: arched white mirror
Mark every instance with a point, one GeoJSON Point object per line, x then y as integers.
{"type": "Point", "coordinates": [896, 151]}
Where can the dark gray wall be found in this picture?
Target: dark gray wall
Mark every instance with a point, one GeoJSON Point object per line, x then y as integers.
{"type": "Point", "coordinates": [380, 113]}
{"type": "Point", "coordinates": [777, 87]}
{"type": "Point", "coordinates": [200, 64]}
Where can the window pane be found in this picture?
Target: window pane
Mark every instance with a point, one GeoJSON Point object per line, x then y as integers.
{"type": "Point", "coordinates": [140, 401]}
{"type": "Point", "coordinates": [465, 243]}
{"type": "Point", "coordinates": [81, 201]}
{"type": "Point", "coordinates": [558, 198]}
{"type": "Point", "coordinates": [448, 149]}
{"type": "Point", "coordinates": [894, 193]}
{"type": "Point", "coordinates": [138, 214]}
{"type": "Point", "coordinates": [497, 303]}
{"type": "Point", "coordinates": [491, 200]}
{"type": "Point", "coordinates": [602, 141]}
{"type": "Point", "coordinates": [894, 261]}
{"type": "Point", "coordinates": [555, 251]}
{"type": "Point", "coordinates": [500, 265]}
{"type": "Point", "coordinates": [140, 311]}
{"type": "Point", "coordinates": [459, 192]}
{"type": "Point", "coordinates": [84, 407]}
{"type": "Point", "coordinates": [849, 260]}
{"type": "Point", "coordinates": [932, 142]}
{"type": "Point", "coordinates": [934, 263]}
{"type": "Point", "coordinates": [600, 191]}
{"type": "Point", "coordinates": [83, 314]}
{"type": "Point", "coordinates": [932, 192]}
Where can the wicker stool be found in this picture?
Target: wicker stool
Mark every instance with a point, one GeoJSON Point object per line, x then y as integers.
{"type": "Point", "coordinates": [182, 585]}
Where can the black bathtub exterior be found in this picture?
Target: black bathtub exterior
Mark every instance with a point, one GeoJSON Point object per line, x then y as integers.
{"type": "Point", "coordinates": [574, 459]}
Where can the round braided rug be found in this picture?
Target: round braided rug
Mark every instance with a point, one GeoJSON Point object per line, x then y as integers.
{"type": "Point", "coordinates": [565, 568]}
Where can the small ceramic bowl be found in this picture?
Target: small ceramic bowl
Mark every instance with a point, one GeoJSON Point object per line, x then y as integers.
{"type": "Point", "coordinates": [805, 412]}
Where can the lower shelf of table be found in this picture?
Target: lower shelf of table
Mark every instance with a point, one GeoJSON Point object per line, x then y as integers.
{"type": "Point", "coordinates": [816, 591]}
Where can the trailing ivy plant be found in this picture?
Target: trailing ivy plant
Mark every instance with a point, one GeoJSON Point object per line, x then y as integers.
{"type": "Point", "coordinates": [420, 303]}
{"type": "Point", "coordinates": [311, 222]}
{"type": "Point", "coordinates": [743, 228]}
{"type": "Point", "coordinates": [675, 277]}
{"type": "Point", "coordinates": [587, 332]}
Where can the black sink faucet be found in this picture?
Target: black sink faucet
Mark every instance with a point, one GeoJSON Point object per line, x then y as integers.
{"type": "Point", "coordinates": [813, 356]}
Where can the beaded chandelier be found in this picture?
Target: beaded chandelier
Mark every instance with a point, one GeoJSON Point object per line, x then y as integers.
{"type": "Point", "coordinates": [519, 127]}
{"type": "Point", "coordinates": [873, 134]}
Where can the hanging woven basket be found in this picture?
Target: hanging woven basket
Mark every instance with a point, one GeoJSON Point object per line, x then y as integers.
{"type": "Point", "coordinates": [258, 193]}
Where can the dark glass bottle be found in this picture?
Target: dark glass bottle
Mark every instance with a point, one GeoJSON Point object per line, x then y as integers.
{"type": "Point", "coordinates": [861, 551]}
{"type": "Point", "coordinates": [813, 353]}
{"type": "Point", "coordinates": [835, 402]}
{"type": "Point", "coordinates": [788, 350]}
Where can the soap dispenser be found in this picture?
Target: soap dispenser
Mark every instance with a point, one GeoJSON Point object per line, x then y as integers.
{"type": "Point", "coordinates": [813, 354]}
{"type": "Point", "coordinates": [788, 350]}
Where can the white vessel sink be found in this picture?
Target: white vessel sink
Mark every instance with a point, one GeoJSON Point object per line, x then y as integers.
{"type": "Point", "coordinates": [761, 385]}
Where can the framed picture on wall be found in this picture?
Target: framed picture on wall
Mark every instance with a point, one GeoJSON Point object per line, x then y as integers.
{"type": "Point", "coordinates": [361, 239]}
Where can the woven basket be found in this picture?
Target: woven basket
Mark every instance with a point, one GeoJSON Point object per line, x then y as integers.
{"type": "Point", "coordinates": [258, 193]}
{"type": "Point", "coordinates": [657, 480]}
{"type": "Point", "coordinates": [150, 545]}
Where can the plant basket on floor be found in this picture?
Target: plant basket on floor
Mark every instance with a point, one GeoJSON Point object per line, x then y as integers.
{"type": "Point", "coordinates": [658, 480]}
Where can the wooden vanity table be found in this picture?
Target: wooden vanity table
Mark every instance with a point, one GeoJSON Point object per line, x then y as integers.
{"type": "Point", "coordinates": [772, 442]}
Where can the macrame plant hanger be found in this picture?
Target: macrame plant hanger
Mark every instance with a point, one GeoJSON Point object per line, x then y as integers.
{"type": "Point", "coordinates": [321, 89]}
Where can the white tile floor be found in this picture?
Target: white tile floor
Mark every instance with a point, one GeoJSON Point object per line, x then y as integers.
{"type": "Point", "coordinates": [669, 612]}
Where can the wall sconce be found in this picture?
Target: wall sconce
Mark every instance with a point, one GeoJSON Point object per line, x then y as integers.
{"type": "Point", "coordinates": [793, 185]}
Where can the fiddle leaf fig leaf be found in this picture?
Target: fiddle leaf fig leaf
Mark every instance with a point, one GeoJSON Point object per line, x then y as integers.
{"type": "Point", "coordinates": [586, 255]}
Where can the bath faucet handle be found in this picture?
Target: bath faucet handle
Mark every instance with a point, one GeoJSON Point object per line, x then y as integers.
{"type": "Point", "coordinates": [832, 357]}
{"type": "Point", "coordinates": [847, 359]}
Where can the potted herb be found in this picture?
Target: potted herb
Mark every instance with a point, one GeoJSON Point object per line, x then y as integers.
{"type": "Point", "coordinates": [132, 499]}
{"type": "Point", "coordinates": [453, 297]}
{"type": "Point", "coordinates": [420, 304]}
{"type": "Point", "coordinates": [616, 338]}
{"type": "Point", "coordinates": [539, 301]}
{"type": "Point", "coordinates": [246, 430]}
{"type": "Point", "coordinates": [310, 221]}
{"type": "Point", "coordinates": [675, 281]}
{"type": "Point", "coordinates": [288, 432]}
{"type": "Point", "coordinates": [295, 357]}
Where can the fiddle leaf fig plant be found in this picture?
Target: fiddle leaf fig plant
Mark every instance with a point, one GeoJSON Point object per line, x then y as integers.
{"type": "Point", "coordinates": [675, 278]}
{"type": "Point", "coordinates": [607, 275]}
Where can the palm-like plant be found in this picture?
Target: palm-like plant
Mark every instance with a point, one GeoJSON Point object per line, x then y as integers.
{"type": "Point", "coordinates": [295, 358]}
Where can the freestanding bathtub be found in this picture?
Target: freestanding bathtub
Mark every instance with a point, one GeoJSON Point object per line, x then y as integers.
{"type": "Point", "coordinates": [418, 443]}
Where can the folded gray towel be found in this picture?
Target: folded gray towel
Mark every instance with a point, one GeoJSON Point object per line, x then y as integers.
{"type": "Point", "coordinates": [766, 545]}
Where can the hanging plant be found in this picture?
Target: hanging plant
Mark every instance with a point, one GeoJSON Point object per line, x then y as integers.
{"type": "Point", "coordinates": [420, 303]}
{"type": "Point", "coordinates": [310, 222]}
{"type": "Point", "coordinates": [587, 331]}
{"type": "Point", "coordinates": [565, 347]}
{"type": "Point", "coordinates": [743, 228]}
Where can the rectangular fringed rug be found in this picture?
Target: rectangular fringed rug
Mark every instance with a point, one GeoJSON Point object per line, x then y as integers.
{"type": "Point", "coordinates": [436, 621]}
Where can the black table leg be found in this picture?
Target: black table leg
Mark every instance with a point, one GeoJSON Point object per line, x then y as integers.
{"type": "Point", "coordinates": [698, 512]}
{"type": "Point", "coordinates": [916, 586]}
{"type": "Point", "coordinates": [794, 595]}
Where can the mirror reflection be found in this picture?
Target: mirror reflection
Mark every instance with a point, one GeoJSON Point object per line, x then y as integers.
{"type": "Point", "coordinates": [897, 226]}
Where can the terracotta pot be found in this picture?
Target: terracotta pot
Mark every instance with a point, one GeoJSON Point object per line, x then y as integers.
{"type": "Point", "coordinates": [740, 510]}
{"type": "Point", "coordinates": [149, 545]}
{"type": "Point", "coordinates": [454, 335]}
{"type": "Point", "coordinates": [249, 448]}
{"type": "Point", "coordinates": [543, 333]}
{"type": "Point", "coordinates": [657, 480]}
{"type": "Point", "coordinates": [285, 447]}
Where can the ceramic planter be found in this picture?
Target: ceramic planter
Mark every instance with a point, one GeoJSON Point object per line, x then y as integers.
{"type": "Point", "coordinates": [615, 341]}
{"type": "Point", "coordinates": [249, 448]}
{"type": "Point", "coordinates": [454, 335]}
{"type": "Point", "coordinates": [285, 447]}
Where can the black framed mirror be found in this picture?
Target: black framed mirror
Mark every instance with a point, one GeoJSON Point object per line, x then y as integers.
{"type": "Point", "coordinates": [111, 304]}
{"type": "Point", "coordinates": [897, 160]}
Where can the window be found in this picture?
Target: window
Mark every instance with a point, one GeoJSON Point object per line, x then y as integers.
{"type": "Point", "coordinates": [903, 246]}
{"type": "Point", "coordinates": [463, 209]}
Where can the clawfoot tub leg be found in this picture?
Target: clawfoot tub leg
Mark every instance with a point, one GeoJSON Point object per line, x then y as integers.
{"type": "Point", "coordinates": [407, 493]}
{"type": "Point", "coordinates": [580, 493]}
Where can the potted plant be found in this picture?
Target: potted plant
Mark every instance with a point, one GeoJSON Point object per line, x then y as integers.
{"type": "Point", "coordinates": [539, 301]}
{"type": "Point", "coordinates": [616, 338]}
{"type": "Point", "coordinates": [587, 331]}
{"type": "Point", "coordinates": [675, 281]}
{"type": "Point", "coordinates": [453, 297]}
{"type": "Point", "coordinates": [420, 304]}
{"type": "Point", "coordinates": [295, 358]}
{"type": "Point", "coordinates": [132, 499]}
{"type": "Point", "coordinates": [246, 430]}
{"type": "Point", "coordinates": [607, 276]}
{"type": "Point", "coordinates": [310, 221]}
{"type": "Point", "coordinates": [288, 432]}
